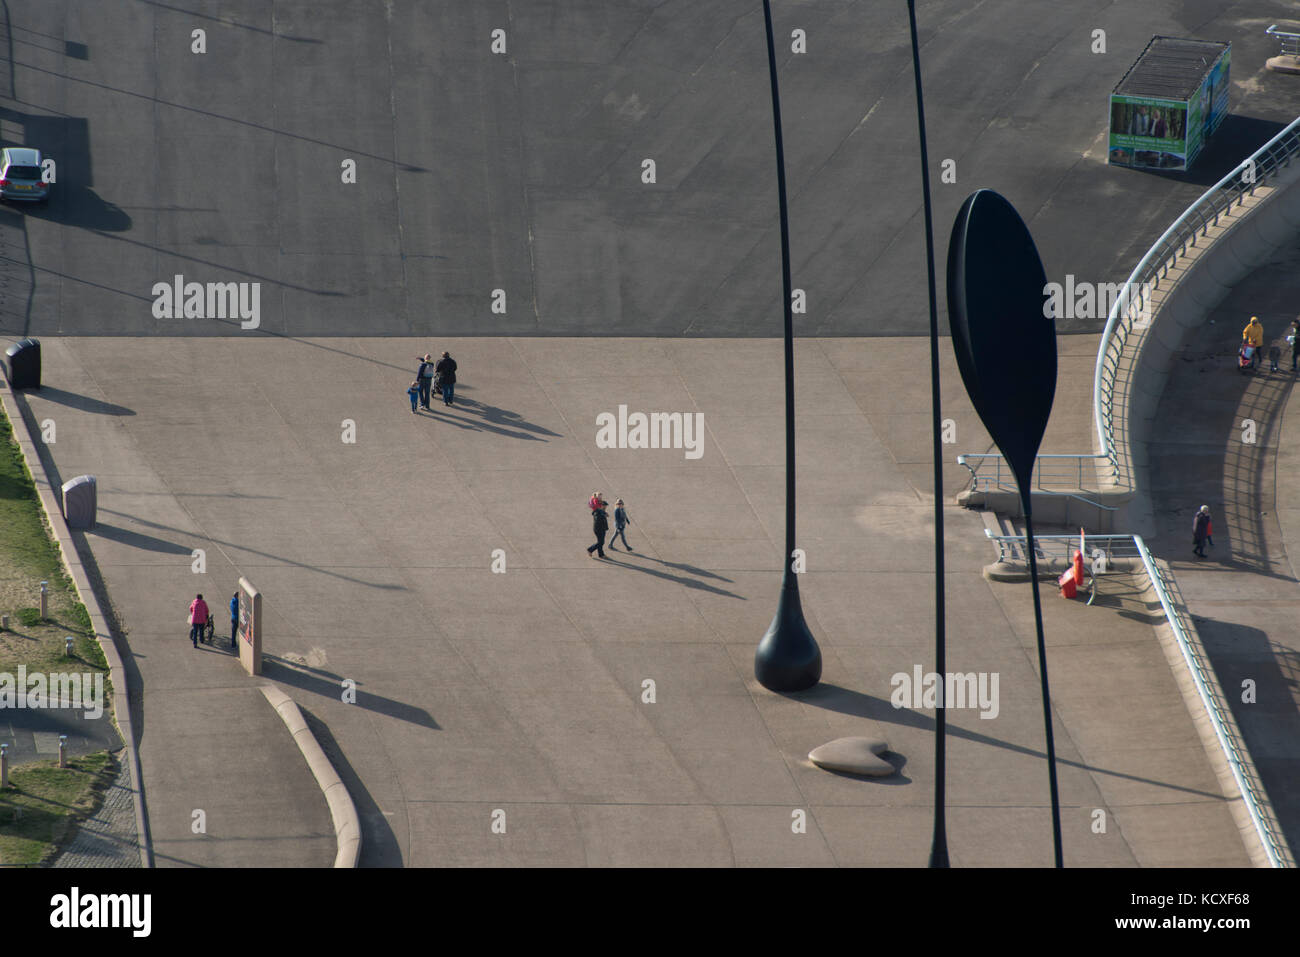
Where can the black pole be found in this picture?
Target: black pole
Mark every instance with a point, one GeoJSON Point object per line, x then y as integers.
{"type": "Point", "coordinates": [787, 658]}
{"type": "Point", "coordinates": [1042, 667]}
{"type": "Point", "coordinates": [939, 843]}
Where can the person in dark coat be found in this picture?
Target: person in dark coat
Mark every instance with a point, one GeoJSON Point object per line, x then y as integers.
{"type": "Point", "coordinates": [599, 525]}
{"type": "Point", "coordinates": [1200, 530]}
{"type": "Point", "coordinates": [424, 376]}
{"type": "Point", "coordinates": [444, 377]}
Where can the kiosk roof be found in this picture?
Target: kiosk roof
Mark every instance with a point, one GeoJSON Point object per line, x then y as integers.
{"type": "Point", "coordinates": [1170, 68]}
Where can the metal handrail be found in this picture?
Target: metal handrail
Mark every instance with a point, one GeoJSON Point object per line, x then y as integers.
{"type": "Point", "coordinates": [1041, 477]}
{"type": "Point", "coordinates": [1275, 849]}
{"type": "Point", "coordinates": [1290, 42]}
{"type": "Point", "coordinates": [1163, 255]}
{"type": "Point", "coordinates": [1053, 547]}
{"type": "Point", "coordinates": [1044, 473]}
{"type": "Point", "coordinates": [1124, 546]}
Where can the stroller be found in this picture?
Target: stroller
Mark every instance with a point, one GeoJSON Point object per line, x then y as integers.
{"type": "Point", "coordinates": [1248, 357]}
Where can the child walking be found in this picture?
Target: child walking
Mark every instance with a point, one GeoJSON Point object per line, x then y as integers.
{"type": "Point", "coordinates": [414, 393]}
{"type": "Point", "coordinates": [621, 521]}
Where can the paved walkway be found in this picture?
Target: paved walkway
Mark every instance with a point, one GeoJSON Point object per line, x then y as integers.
{"type": "Point", "coordinates": [107, 838]}
{"type": "Point", "coordinates": [1244, 597]}
{"type": "Point", "coordinates": [523, 691]}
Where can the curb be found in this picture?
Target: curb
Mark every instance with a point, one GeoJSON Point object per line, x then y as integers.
{"type": "Point", "coordinates": [347, 825]}
{"type": "Point", "coordinates": [18, 412]}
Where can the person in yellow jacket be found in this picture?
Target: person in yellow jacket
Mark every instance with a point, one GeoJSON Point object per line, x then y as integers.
{"type": "Point", "coordinates": [1253, 336]}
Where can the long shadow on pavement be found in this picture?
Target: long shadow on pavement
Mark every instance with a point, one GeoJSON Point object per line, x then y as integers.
{"type": "Point", "coordinates": [329, 685]}
{"type": "Point", "coordinates": [82, 403]}
{"type": "Point", "coordinates": [845, 701]}
{"type": "Point", "coordinates": [136, 540]}
{"type": "Point", "coordinates": [688, 582]}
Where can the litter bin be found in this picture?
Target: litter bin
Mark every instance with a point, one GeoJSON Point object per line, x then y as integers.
{"type": "Point", "coordinates": [80, 501]}
{"type": "Point", "coordinates": [24, 362]}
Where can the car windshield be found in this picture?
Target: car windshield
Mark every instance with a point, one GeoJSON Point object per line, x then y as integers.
{"type": "Point", "coordinates": [23, 172]}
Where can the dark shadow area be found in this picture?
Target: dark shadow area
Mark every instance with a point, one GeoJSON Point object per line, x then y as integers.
{"type": "Point", "coordinates": [329, 685]}
{"type": "Point", "coordinates": [1122, 593]}
{"type": "Point", "coordinates": [83, 403]}
{"type": "Point", "coordinates": [859, 705]}
{"type": "Point", "coordinates": [446, 414]}
{"type": "Point", "coordinates": [1210, 461]}
{"type": "Point", "coordinates": [76, 51]}
{"type": "Point", "coordinates": [115, 533]}
{"type": "Point", "coordinates": [1270, 725]}
{"type": "Point", "coordinates": [498, 416]}
{"type": "Point", "coordinates": [72, 201]}
{"type": "Point", "coordinates": [1236, 138]}
{"type": "Point", "coordinates": [678, 579]}
{"type": "Point", "coordinates": [379, 847]}
{"type": "Point", "coordinates": [679, 566]}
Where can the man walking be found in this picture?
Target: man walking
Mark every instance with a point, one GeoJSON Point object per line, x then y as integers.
{"type": "Point", "coordinates": [424, 375]}
{"type": "Point", "coordinates": [600, 525]}
{"type": "Point", "coordinates": [198, 619]}
{"type": "Point", "coordinates": [445, 377]}
{"type": "Point", "coordinates": [1294, 338]}
{"type": "Point", "coordinates": [234, 618]}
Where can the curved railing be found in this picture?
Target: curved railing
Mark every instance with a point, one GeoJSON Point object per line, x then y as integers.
{"type": "Point", "coordinates": [1132, 311]}
{"type": "Point", "coordinates": [1275, 848]}
{"type": "Point", "coordinates": [1060, 548]}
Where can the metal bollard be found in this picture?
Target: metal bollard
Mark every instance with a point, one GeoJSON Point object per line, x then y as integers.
{"type": "Point", "coordinates": [4, 765]}
{"type": "Point", "coordinates": [44, 601]}
{"type": "Point", "coordinates": [63, 750]}
{"type": "Point", "coordinates": [67, 651]}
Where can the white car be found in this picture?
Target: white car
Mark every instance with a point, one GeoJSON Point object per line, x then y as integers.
{"type": "Point", "coordinates": [20, 175]}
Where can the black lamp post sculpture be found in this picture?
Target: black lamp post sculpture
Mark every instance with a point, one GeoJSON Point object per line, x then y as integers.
{"type": "Point", "coordinates": [787, 658]}
{"type": "Point", "coordinates": [1006, 351]}
{"type": "Point", "coordinates": [939, 840]}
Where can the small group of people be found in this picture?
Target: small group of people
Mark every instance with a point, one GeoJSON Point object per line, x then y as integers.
{"type": "Point", "coordinates": [200, 615]}
{"type": "Point", "coordinates": [432, 377]}
{"type": "Point", "coordinates": [1252, 337]}
{"type": "Point", "coordinates": [600, 524]}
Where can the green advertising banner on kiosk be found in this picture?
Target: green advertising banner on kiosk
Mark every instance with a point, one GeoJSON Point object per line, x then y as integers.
{"type": "Point", "coordinates": [1169, 102]}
